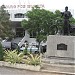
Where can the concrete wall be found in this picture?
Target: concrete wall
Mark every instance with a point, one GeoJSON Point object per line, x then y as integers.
{"type": "Point", "coordinates": [53, 40]}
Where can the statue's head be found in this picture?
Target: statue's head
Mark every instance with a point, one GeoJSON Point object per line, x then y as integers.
{"type": "Point", "coordinates": [66, 8]}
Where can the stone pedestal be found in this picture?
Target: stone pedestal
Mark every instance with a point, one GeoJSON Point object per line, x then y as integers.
{"type": "Point", "coordinates": [61, 46]}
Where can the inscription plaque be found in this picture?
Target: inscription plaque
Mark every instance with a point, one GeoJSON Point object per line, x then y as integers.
{"type": "Point", "coordinates": [61, 46]}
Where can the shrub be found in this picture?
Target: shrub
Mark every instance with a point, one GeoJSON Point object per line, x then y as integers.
{"type": "Point", "coordinates": [13, 56]}
{"type": "Point", "coordinates": [33, 59]}
{"type": "Point", "coordinates": [25, 52]}
{"type": "Point", "coordinates": [18, 49]}
{"type": "Point", "coordinates": [1, 52]}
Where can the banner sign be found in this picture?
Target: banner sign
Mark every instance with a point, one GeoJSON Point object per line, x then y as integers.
{"type": "Point", "coordinates": [22, 6]}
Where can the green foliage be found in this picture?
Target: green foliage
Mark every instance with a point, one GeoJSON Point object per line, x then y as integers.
{"type": "Point", "coordinates": [33, 59]}
{"type": "Point", "coordinates": [41, 38]}
{"type": "Point", "coordinates": [18, 49]}
{"type": "Point", "coordinates": [72, 21]}
{"type": "Point", "coordinates": [13, 56]}
{"type": "Point", "coordinates": [39, 22]}
{"type": "Point", "coordinates": [5, 28]}
{"type": "Point", "coordinates": [1, 53]}
{"type": "Point", "coordinates": [25, 52]}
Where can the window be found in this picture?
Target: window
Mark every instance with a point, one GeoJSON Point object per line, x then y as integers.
{"type": "Point", "coordinates": [20, 32]}
{"type": "Point", "coordinates": [19, 15]}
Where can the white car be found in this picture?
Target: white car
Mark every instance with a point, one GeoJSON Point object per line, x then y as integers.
{"type": "Point", "coordinates": [32, 49]}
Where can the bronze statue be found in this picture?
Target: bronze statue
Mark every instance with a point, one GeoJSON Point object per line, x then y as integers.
{"type": "Point", "coordinates": [66, 15]}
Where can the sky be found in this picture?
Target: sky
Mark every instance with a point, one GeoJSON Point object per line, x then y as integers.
{"type": "Point", "coordinates": [48, 4]}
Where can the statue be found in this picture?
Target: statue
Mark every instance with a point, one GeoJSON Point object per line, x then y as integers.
{"type": "Point", "coordinates": [66, 15]}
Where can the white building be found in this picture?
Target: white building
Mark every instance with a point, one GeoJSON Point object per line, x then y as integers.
{"type": "Point", "coordinates": [17, 14]}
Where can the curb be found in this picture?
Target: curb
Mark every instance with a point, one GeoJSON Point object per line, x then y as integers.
{"type": "Point", "coordinates": [32, 68]}
{"type": "Point", "coordinates": [20, 66]}
{"type": "Point", "coordinates": [57, 72]}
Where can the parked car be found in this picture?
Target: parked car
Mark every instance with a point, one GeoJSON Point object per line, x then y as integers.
{"type": "Point", "coordinates": [32, 49]}
{"type": "Point", "coordinates": [9, 45]}
{"type": "Point", "coordinates": [14, 46]}
{"type": "Point", "coordinates": [6, 44]}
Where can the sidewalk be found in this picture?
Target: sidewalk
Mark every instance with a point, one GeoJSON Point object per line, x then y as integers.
{"type": "Point", "coordinates": [58, 66]}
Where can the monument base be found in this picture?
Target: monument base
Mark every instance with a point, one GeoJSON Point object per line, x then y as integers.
{"type": "Point", "coordinates": [61, 46]}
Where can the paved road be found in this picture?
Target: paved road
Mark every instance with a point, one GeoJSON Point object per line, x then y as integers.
{"type": "Point", "coordinates": [11, 71]}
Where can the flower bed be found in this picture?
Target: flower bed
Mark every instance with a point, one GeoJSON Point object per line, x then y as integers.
{"type": "Point", "coordinates": [18, 60]}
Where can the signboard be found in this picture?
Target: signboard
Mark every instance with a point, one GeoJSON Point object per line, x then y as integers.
{"type": "Point", "coordinates": [22, 6]}
{"type": "Point", "coordinates": [61, 46]}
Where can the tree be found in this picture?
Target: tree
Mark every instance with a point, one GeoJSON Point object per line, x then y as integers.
{"type": "Point", "coordinates": [5, 28]}
{"type": "Point", "coordinates": [58, 20]}
{"type": "Point", "coordinates": [72, 25]}
{"type": "Point", "coordinates": [41, 22]}
{"type": "Point", "coordinates": [38, 23]}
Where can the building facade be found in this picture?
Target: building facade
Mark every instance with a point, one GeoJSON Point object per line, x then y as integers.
{"type": "Point", "coordinates": [16, 16]}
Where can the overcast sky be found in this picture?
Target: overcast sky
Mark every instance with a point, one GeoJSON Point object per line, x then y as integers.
{"type": "Point", "coordinates": [49, 4]}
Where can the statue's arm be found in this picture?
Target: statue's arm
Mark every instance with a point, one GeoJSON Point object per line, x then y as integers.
{"type": "Point", "coordinates": [70, 14]}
